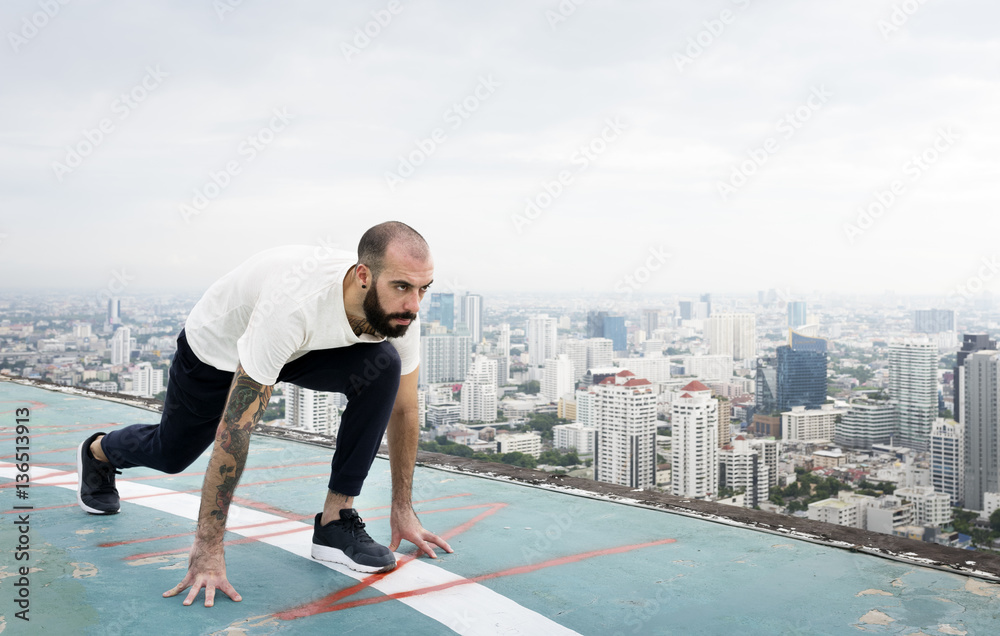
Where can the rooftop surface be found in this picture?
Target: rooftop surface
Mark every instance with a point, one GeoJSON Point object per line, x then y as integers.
{"type": "Point", "coordinates": [528, 560]}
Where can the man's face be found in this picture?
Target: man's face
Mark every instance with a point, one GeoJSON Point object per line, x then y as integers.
{"type": "Point", "coordinates": [393, 299]}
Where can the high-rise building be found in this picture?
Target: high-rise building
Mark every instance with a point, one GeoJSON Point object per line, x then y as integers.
{"type": "Point", "coordinates": [796, 313]}
{"type": "Point", "coordinates": [576, 351]}
{"type": "Point", "coordinates": [586, 408]}
{"type": "Point", "coordinates": [121, 346]}
{"type": "Point", "coordinates": [595, 324]}
{"type": "Point", "coordinates": [709, 368]}
{"type": "Point", "coordinates": [600, 353]}
{"type": "Point", "coordinates": [933, 320]}
{"type": "Point", "coordinates": [695, 443]}
{"type": "Point", "coordinates": [970, 343]}
{"type": "Point", "coordinates": [614, 329]}
{"type": "Point", "coordinates": [733, 335]}
{"type": "Point", "coordinates": [625, 446]}
{"type": "Point", "coordinates": [479, 392]}
{"type": "Point", "coordinates": [948, 459]}
{"type": "Point", "coordinates": [766, 387]}
{"type": "Point", "coordinates": [707, 300]}
{"type": "Point", "coordinates": [654, 369]}
{"type": "Point", "coordinates": [114, 311]}
{"type": "Point", "coordinates": [768, 450]}
{"type": "Point", "coordinates": [810, 425]}
{"type": "Point", "coordinates": [558, 378]}
{"type": "Point", "coordinates": [725, 421]}
{"type": "Point", "coordinates": [473, 316]}
{"type": "Point", "coordinates": [442, 309]}
{"type": "Point", "coordinates": [541, 337]}
{"type": "Point", "coordinates": [574, 436]}
{"type": "Point", "coordinates": [982, 426]}
{"type": "Point", "coordinates": [742, 469]}
{"type": "Point", "coordinates": [443, 414]}
{"type": "Point", "coordinates": [503, 350]}
{"type": "Point", "coordinates": [309, 410]}
{"type": "Point", "coordinates": [913, 386]}
{"type": "Point", "coordinates": [650, 321]}
{"type": "Point", "coordinates": [444, 357]}
{"type": "Point", "coordinates": [866, 422]}
{"type": "Point", "coordinates": [147, 381]}
{"type": "Point", "coordinates": [801, 372]}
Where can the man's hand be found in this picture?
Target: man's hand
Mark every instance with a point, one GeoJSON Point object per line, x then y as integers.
{"type": "Point", "coordinates": [405, 525]}
{"type": "Point", "coordinates": [206, 569]}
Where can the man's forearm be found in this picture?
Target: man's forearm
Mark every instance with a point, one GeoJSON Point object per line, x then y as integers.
{"type": "Point", "coordinates": [404, 436]}
{"type": "Point", "coordinates": [244, 408]}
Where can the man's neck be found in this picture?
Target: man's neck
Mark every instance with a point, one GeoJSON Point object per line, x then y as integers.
{"type": "Point", "coordinates": [361, 326]}
{"type": "Point", "coordinates": [353, 301]}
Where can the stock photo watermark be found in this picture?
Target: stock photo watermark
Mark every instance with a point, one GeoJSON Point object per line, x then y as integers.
{"type": "Point", "coordinates": [454, 116]}
{"type": "Point", "coordinates": [898, 17]}
{"type": "Point", "coordinates": [789, 124]}
{"type": "Point", "coordinates": [562, 12]}
{"type": "Point", "coordinates": [366, 33]}
{"type": "Point", "coordinates": [707, 36]}
{"type": "Point", "coordinates": [554, 188]}
{"type": "Point", "coordinates": [121, 107]}
{"type": "Point", "coordinates": [977, 283]}
{"type": "Point", "coordinates": [643, 272]}
{"type": "Point", "coordinates": [249, 148]}
{"type": "Point", "coordinates": [117, 284]}
{"type": "Point", "coordinates": [884, 198]}
{"type": "Point", "coordinates": [32, 25]}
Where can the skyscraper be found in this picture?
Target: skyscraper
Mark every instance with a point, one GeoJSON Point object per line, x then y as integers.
{"type": "Point", "coordinates": [473, 316]}
{"type": "Point", "coordinates": [732, 335]}
{"type": "Point", "coordinates": [933, 320]}
{"type": "Point", "coordinates": [650, 321]}
{"type": "Point", "coordinates": [801, 372]}
{"type": "Point", "coordinates": [121, 346]}
{"type": "Point", "coordinates": [742, 468]}
{"type": "Point", "coordinates": [970, 343]}
{"type": "Point", "coordinates": [913, 387]}
{"type": "Point", "coordinates": [595, 324]}
{"type": "Point", "coordinates": [503, 344]}
{"type": "Point", "coordinates": [796, 313]}
{"type": "Point", "coordinates": [599, 353]}
{"type": "Point", "coordinates": [695, 449]}
{"type": "Point", "coordinates": [766, 387]}
{"type": "Point", "coordinates": [558, 378]}
{"type": "Point", "coordinates": [114, 311]}
{"type": "Point", "coordinates": [479, 392]}
{"type": "Point", "coordinates": [982, 426]}
{"type": "Point", "coordinates": [614, 329]}
{"type": "Point", "coordinates": [625, 452]}
{"type": "Point", "coordinates": [948, 459]}
{"type": "Point", "coordinates": [442, 309]}
{"type": "Point", "coordinates": [444, 357]}
{"type": "Point", "coordinates": [541, 337]}
{"type": "Point", "coordinates": [309, 410]}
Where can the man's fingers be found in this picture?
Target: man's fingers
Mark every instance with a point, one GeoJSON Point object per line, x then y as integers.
{"type": "Point", "coordinates": [230, 591]}
{"type": "Point", "coordinates": [193, 594]}
{"type": "Point", "coordinates": [209, 595]}
{"type": "Point", "coordinates": [177, 589]}
{"type": "Point", "coordinates": [441, 543]}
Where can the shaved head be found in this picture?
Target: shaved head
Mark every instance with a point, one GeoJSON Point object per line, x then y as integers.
{"type": "Point", "coordinates": [376, 241]}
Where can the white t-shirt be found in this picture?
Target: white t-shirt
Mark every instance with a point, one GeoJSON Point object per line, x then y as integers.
{"type": "Point", "coordinates": [276, 307]}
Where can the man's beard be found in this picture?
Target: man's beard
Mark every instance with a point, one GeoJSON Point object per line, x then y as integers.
{"type": "Point", "coordinates": [379, 320]}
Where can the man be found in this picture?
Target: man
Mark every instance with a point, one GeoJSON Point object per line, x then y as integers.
{"type": "Point", "coordinates": [330, 324]}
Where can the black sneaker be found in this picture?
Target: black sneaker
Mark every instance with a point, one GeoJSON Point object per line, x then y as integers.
{"type": "Point", "coordinates": [347, 543]}
{"type": "Point", "coordinates": [95, 488]}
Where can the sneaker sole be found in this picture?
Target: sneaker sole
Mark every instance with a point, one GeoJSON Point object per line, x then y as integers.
{"type": "Point", "coordinates": [336, 555]}
{"type": "Point", "coordinates": [79, 485]}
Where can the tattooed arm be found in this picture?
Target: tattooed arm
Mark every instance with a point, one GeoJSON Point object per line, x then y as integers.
{"type": "Point", "coordinates": [206, 565]}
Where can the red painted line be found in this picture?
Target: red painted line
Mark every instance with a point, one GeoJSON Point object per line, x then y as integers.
{"type": "Point", "coordinates": [35, 436]}
{"type": "Point", "coordinates": [464, 494]}
{"type": "Point", "coordinates": [324, 605]}
{"type": "Point", "coordinates": [37, 452]}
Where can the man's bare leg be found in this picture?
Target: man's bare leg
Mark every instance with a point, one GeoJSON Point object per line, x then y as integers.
{"type": "Point", "coordinates": [335, 502]}
{"type": "Point", "coordinates": [97, 451]}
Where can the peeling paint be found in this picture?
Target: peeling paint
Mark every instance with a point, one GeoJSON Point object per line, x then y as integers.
{"type": "Point", "coordinates": [84, 570]}
{"type": "Point", "coordinates": [875, 617]}
{"type": "Point", "coordinates": [982, 588]}
{"type": "Point", "coordinates": [948, 629]}
{"type": "Point", "coordinates": [266, 624]}
{"type": "Point", "coordinates": [87, 531]}
{"type": "Point", "coordinates": [872, 592]}
{"type": "Point", "coordinates": [165, 558]}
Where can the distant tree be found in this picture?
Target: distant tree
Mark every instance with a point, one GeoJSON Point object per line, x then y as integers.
{"type": "Point", "coordinates": [531, 387]}
{"type": "Point", "coordinates": [995, 520]}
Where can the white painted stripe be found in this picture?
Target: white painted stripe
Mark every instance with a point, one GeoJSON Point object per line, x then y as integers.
{"type": "Point", "coordinates": [469, 609]}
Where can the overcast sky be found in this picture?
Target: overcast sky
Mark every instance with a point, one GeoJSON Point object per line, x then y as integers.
{"type": "Point", "coordinates": [729, 144]}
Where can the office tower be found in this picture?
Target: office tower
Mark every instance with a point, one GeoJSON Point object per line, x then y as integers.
{"type": "Point", "coordinates": [796, 313]}
{"type": "Point", "coordinates": [766, 387]}
{"type": "Point", "coordinates": [309, 410]}
{"type": "Point", "coordinates": [576, 350]}
{"type": "Point", "coordinates": [599, 353]}
{"type": "Point", "coordinates": [114, 311]}
{"type": "Point", "coordinates": [558, 378]}
{"type": "Point", "coordinates": [650, 321]}
{"type": "Point", "coordinates": [948, 459]}
{"type": "Point", "coordinates": [970, 343]}
{"type": "Point", "coordinates": [614, 329]}
{"type": "Point", "coordinates": [801, 372]}
{"type": "Point", "coordinates": [933, 320]}
{"type": "Point", "coordinates": [625, 452]}
{"type": "Point", "coordinates": [866, 422]}
{"type": "Point", "coordinates": [732, 335]}
{"type": "Point", "coordinates": [913, 386]}
{"type": "Point", "coordinates": [473, 316]}
{"type": "Point", "coordinates": [444, 357]}
{"type": "Point", "coordinates": [479, 392]}
{"type": "Point", "coordinates": [686, 309]}
{"type": "Point", "coordinates": [595, 324]}
{"type": "Point", "coordinates": [444, 414]}
{"type": "Point", "coordinates": [442, 309]}
{"type": "Point", "coordinates": [982, 426]}
{"type": "Point", "coordinates": [121, 346]}
{"type": "Point", "coordinates": [725, 421]}
{"type": "Point", "coordinates": [709, 368]}
{"type": "Point", "coordinates": [541, 338]}
{"type": "Point", "coordinates": [695, 449]}
{"type": "Point", "coordinates": [742, 468]}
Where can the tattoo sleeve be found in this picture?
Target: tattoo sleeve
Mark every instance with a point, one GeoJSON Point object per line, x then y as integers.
{"type": "Point", "coordinates": [246, 404]}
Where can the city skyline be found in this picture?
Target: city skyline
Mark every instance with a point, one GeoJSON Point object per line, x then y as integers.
{"type": "Point", "coordinates": [691, 148]}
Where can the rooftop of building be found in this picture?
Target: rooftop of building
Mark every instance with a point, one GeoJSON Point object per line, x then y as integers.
{"type": "Point", "coordinates": [534, 552]}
